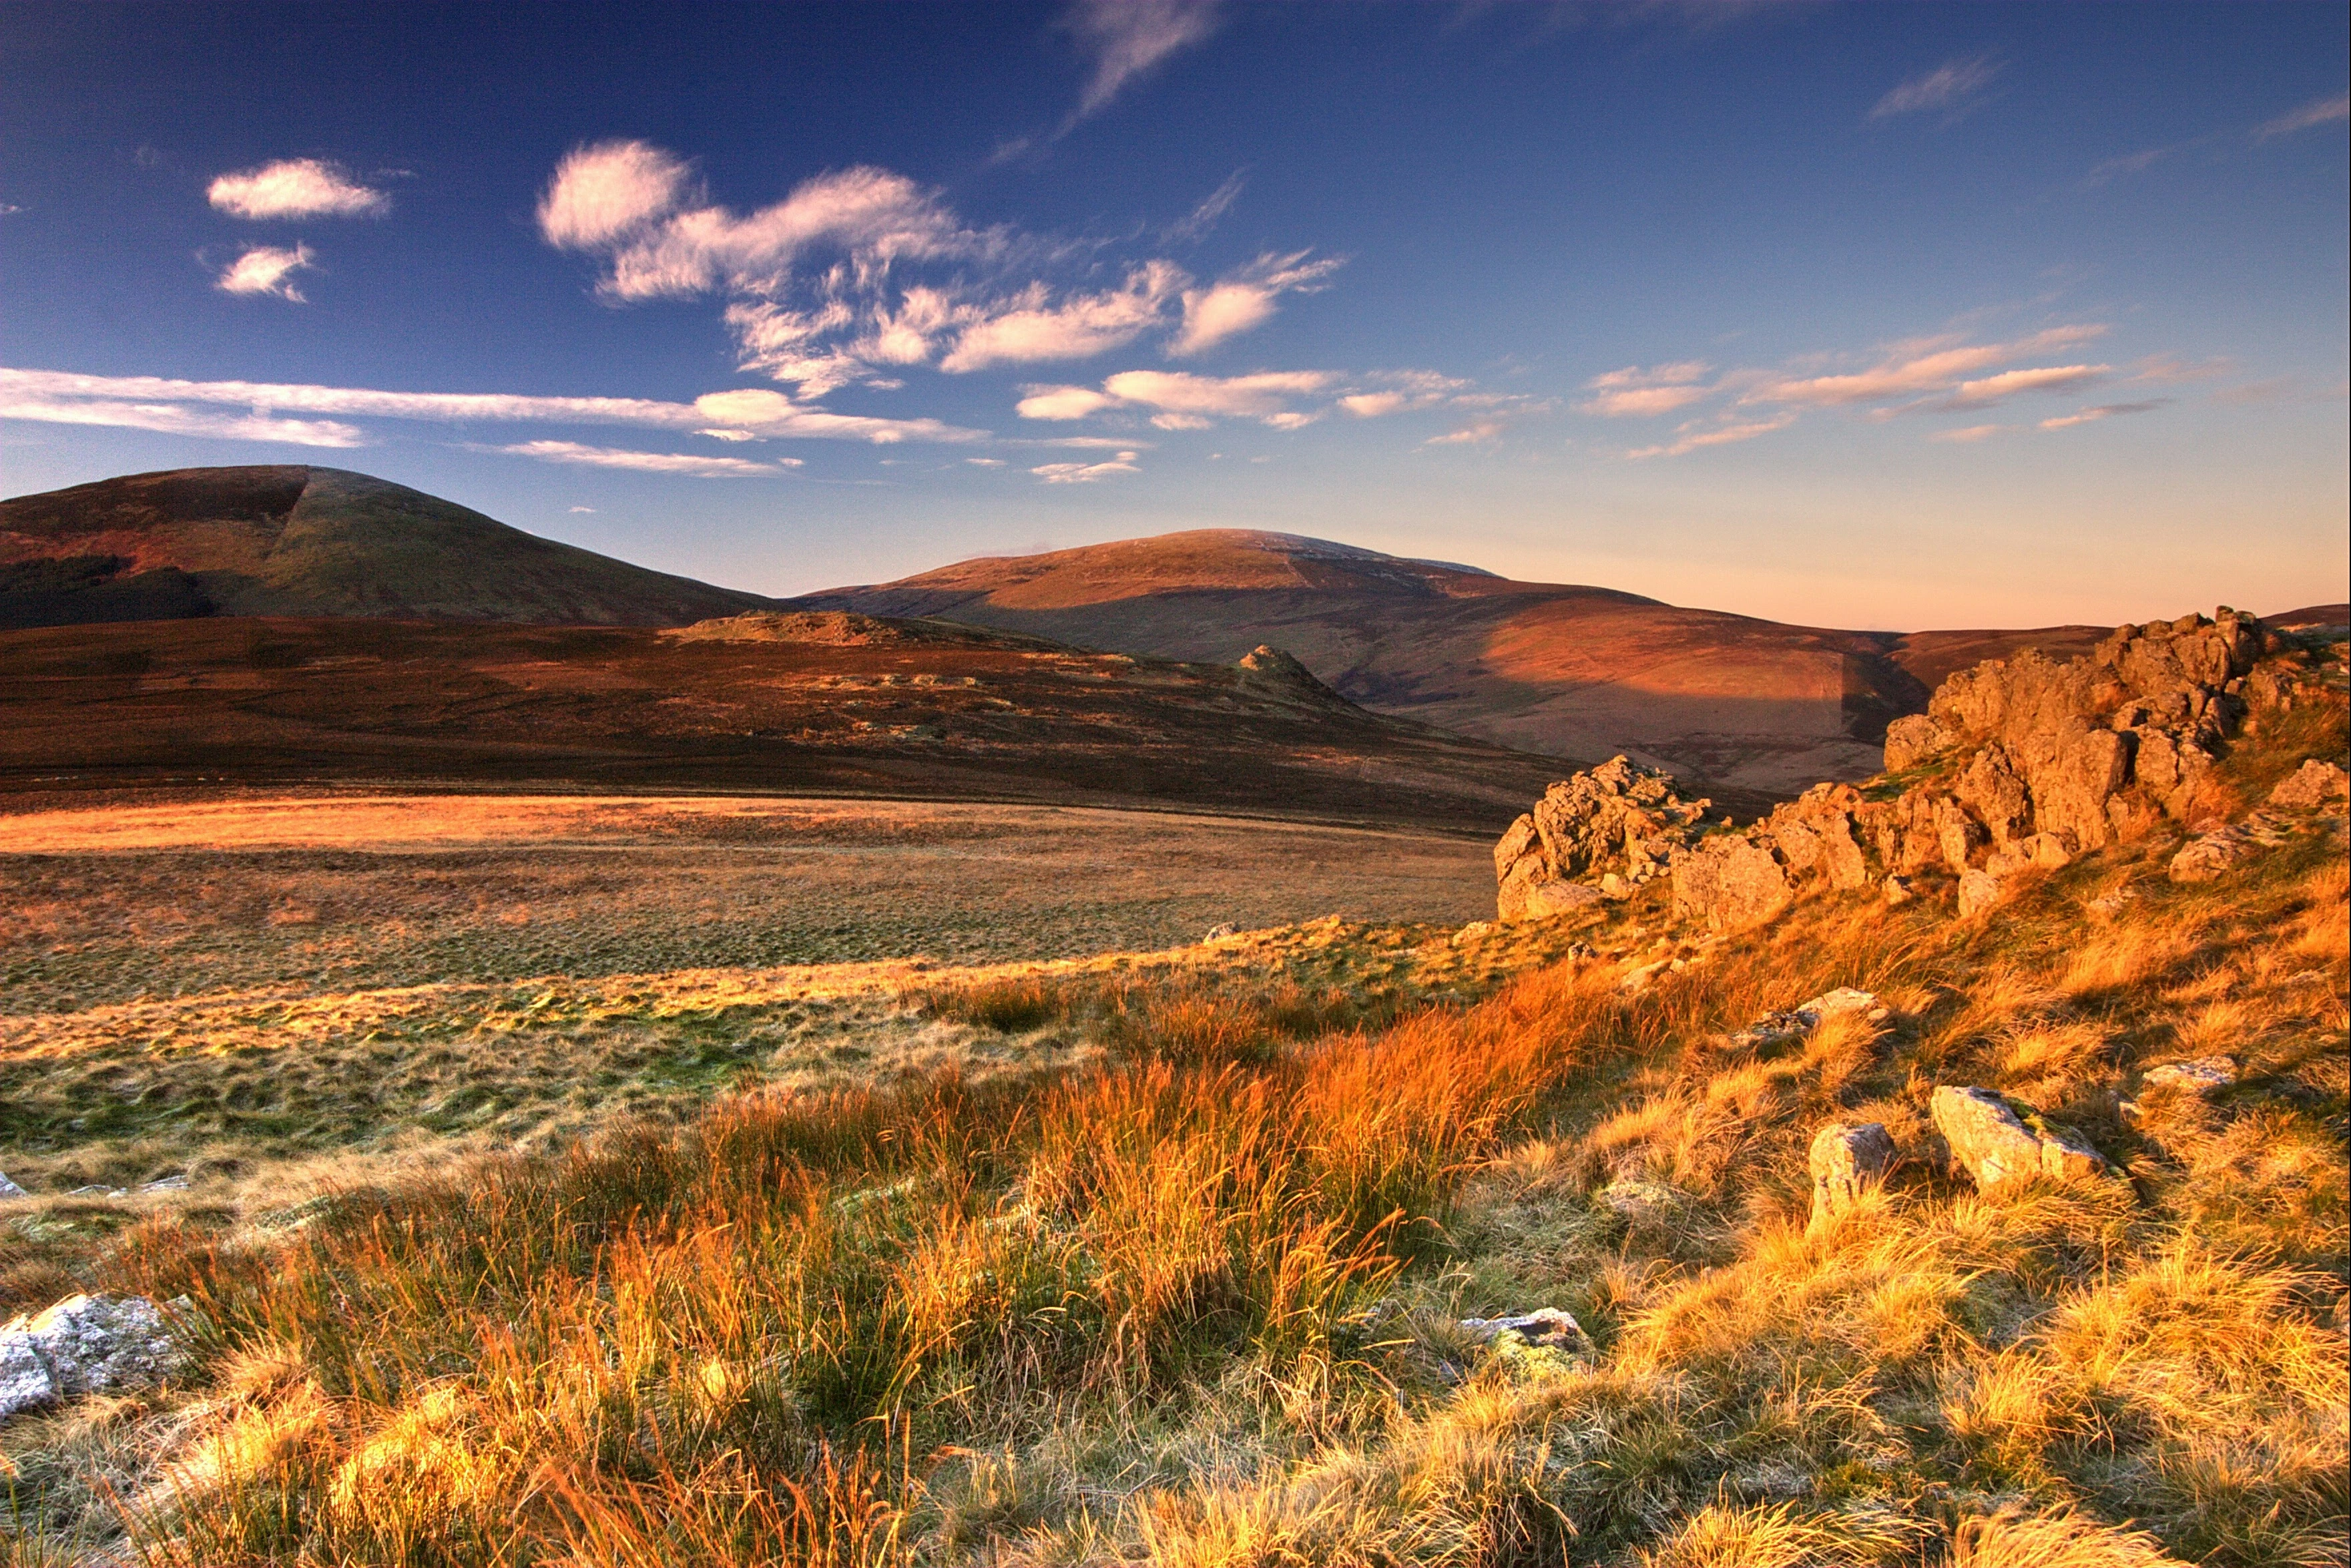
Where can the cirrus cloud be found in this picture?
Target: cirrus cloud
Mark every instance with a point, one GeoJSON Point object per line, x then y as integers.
{"type": "Point", "coordinates": [692, 464]}
{"type": "Point", "coordinates": [1085, 473]}
{"type": "Point", "coordinates": [1947, 86]}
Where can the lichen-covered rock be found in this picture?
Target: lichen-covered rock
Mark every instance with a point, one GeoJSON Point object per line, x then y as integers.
{"type": "Point", "coordinates": [2198, 1076]}
{"type": "Point", "coordinates": [1996, 1149]}
{"type": "Point", "coordinates": [9, 1188]}
{"type": "Point", "coordinates": [1730, 881]}
{"type": "Point", "coordinates": [1552, 1327]}
{"type": "Point", "coordinates": [2209, 856]}
{"type": "Point", "coordinates": [84, 1345]}
{"type": "Point", "coordinates": [2315, 784]}
{"type": "Point", "coordinates": [1847, 1160]}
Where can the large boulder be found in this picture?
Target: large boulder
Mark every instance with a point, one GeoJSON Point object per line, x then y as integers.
{"type": "Point", "coordinates": [1996, 1149]}
{"type": "Point", "coordinates": [1848, 1161]}
{"type": "Point", "coordinates": [84, 1345]}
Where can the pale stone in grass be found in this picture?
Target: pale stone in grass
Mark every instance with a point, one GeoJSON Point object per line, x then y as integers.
{"type": "Point", "coordinates": [9, 1188]}
{"type": "Point", "coordinates": [2201, 1075]}
{"type": "Point", "coordinates": [1547, 1326]}
{"type": "Point", "coordinates": [2314, 785]}
{"type": "Point", "coordinates": [1995, 1148]}
{"type": "Point", "coordinates": [1847, 1160]}
{"type": "Point", "coordinates": [84, 1345]}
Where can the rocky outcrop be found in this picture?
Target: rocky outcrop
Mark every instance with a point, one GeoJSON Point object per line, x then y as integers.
{"type": "Point", "coordinates": [2208, 857]}
{"type": "Point", "coordinates": [1598, 833]}
{"type": "Point", "coordinates": [84, 1345]}
{"type": "Point", "coordinates": [2026, 762]}
{"type": "Point", "coordinates": [1997, 1149]}
{"type": "Point", "coordinates": [1798, 1022]}
{"type": "Point", "coordinates": [1846, 1162]}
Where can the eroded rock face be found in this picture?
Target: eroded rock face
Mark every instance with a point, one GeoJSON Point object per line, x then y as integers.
{"type": "Point", "coordinates": [1732, 882]}
{"type": "Point", "coordinates": [84, 1345]}
{"type": "Point", "coordinates": [1848, 1161]}
{"type": "Point", "coordinates": [1996, 1148]}
{"type": "Point", "coordinates": [1619, 820]}
{"type": "Point", "coordinates": [2032, 762]}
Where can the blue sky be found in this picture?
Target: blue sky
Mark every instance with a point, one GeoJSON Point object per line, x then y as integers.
{"type": "Point", "coordinates": [1895, 315]}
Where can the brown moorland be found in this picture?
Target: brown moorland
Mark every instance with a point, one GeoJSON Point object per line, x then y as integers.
{"type": "Point", "coordinates": [824, 705]}
{"type": "Point", "coordinates": [1737, 702]}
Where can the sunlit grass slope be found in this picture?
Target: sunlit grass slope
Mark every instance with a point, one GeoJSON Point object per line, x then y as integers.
{"type": "Point", "coordinates": [1196, 1299]}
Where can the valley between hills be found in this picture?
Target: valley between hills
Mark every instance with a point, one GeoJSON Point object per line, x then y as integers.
{"type": "Point", "coordinates": [507, 1058]}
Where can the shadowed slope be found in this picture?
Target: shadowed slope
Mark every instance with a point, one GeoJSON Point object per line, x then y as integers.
{"type": "Point", "coordinates": [823, 704]}
{"type": "Point", "coordinates": [296, 540]}
{"type": "Point", "coordinates": [1570, 671]}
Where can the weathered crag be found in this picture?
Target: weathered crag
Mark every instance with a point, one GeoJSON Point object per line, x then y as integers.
{"type": "Point", "coordinates": [1594, 835]}
{"type": "Point", "coordinates": [2026, 763]}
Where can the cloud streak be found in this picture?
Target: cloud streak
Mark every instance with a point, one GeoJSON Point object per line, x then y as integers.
{"type": "Point", "coordinates": [2104, 411]}
{"type": "Point", "coordinates": [1948, 87]}
{"type": "Point", "coordinates": [1085, 473]}
{"type": "Point", "coordinates": [2319, 111]}
{"type": "Point", "coordinates": [295, 188]}
{"type": "Point", "coordinates": [175, 419]}
{"type": "Point", "coordinates": [692, 464]}
{"type": "Point", "coordinates": [1694, 436]}
{"type": "Point", "coordinates": [753, 410]}
{"type": "Point", "coordinates": [1128, 37]}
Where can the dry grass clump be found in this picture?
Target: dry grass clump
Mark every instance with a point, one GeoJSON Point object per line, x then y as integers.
{"type": "Point", "coordinates": [1195, 1300]}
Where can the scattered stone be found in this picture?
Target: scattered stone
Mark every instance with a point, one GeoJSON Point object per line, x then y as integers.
{"type": "Point", "coordinates": [1997, 1148]}
{"type": "Point", "coordinates": [1797, 1022]}
{"type": "Point", "coordinates": [1641, 1202]}
{"type": "Point", "coordinates": [1847, 1161]}
{"type": "Point", "coordinates": [2313, 786]}
{"type": "Point", "coordinates": [9, 1188]}
{"type": "Point", "coordinates": [1545, 1326]}
{"type": "Point", "coordinates": [2200, 1076]}
{"type": "Point", "coordinates": [1471, 932]}
{"type": "Point", "coordinates": [1218, 933]}
{"type": "Point", "coordinates": [84, 1345]}
{"type": "Point", "coordinates": [2210, 856]}
{"type": "Point", "coordinates": [1979, 891]}
{"type": "Point", "coordinates": [1897, 892]}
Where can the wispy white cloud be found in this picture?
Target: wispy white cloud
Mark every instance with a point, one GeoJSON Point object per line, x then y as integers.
{"type": "Point", "coordinates": [1481, 432]}
{"type": "Point", "coordinates": [1696, 436]}
{"type": "Point", "coordinates": [755, 411]}
{"type": "Point", "coordinates": [1245, 299]}
{"type": "Point", "coordinates": [266, 270]}
{"type": "Point", "coordinates": [1195, 223]}
{"type": "Point", "coordinates": [859, 272]}
{"type": "Point", "coordinates": [2318, 111]}
{"type": "Point", "coordinates": [1127, 37]}
{"type": "Point", "coordinates": [1085, 473]}
{"type": "Point", "coordinates": [2128, 163]}
{"type": "Point", "coordinates": [297, 188]}
{"type": "Point", "coordinates": [2105, 411]}
{"type": "Point", "coordinates": [1968, 435]}
{"type": "Point", "coordinates": [1075, 328]}
{"type": "Point", "coordinates": [1947, 86]}
{"type": "Point", "coordinates": [1633, 392]}
{"type": "Point", "coordinates": [174, 419]}
{"type": "Point", "coordinates": [1179, 400]}
{"type": "Point", "coordinates": [985, 462]}
{"type": "Point", "coordinates": [1919, 365]}
{"type": "Point", "coordinates": [690, 463]}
